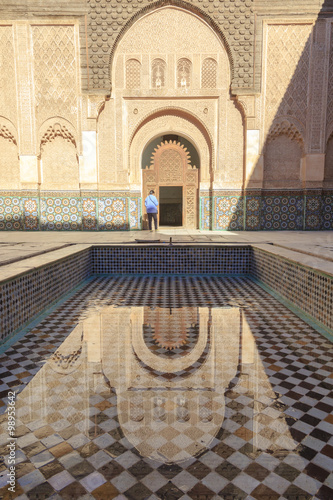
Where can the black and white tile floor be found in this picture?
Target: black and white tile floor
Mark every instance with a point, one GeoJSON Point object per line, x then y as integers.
{"type": "Point", "coordinates": [274, 444]}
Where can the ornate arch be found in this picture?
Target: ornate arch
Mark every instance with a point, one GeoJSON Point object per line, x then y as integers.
{"type": "Point", "coordinates": [286, 127]}
{"type": "Point", "coordinates": [56, 127]}
{"type": "Point", "coordinates": [170, 120]}
{"type": "Point", "coordinates": [186, 6]}
{"type": "Point", "coordinates": [8, 130]}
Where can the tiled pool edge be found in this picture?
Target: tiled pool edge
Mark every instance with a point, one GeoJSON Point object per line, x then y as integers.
{"type": "Point", "coordinates": [299, 285]}
{"type": "Point", "coordinates": [317, 325]}
{"type": "Point", "coordinates": [24, 296]}
{"type": "Point", "coordinates": [282, 276]}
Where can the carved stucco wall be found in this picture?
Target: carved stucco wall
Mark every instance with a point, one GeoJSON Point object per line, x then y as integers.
{"type": "Point", "coordinates": [161, 34]}
{"type": "Point", "coordinates": [9, 160]}
{"type": "Point", "coordinates": [282, 162]}
{"type": "Point", "coordinates": [59, 162]}
{"type": "Point", "coordinates": [59, 159]}
{"type": "Point", "coordinates": [56, 79]}
{"type": "Point", "coordinates": [328, 176]}
{"type": "Point", "coordinates": [287, 72]}
{"type": "Point", "coordinates": [231, 165]}
{"type": "Point", "coordinates": [285, 101]}
{"type": "Point", "coordinates": [108, 20]}
{"type": "Point", "coordinates": [329, 115]}
{"type": "Point", "coordinates": [8, 101]}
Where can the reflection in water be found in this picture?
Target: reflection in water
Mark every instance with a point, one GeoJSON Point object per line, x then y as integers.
{"type": "Point", "coordinates": [170, 407]}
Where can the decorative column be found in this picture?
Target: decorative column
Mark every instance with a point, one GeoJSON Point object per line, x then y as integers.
{"type": "Point", "coordinates": [89, 162]}
{"type": "Point", "coordinates": [26, 110]}
{"type": "Point", "coordinates": [313, 166]}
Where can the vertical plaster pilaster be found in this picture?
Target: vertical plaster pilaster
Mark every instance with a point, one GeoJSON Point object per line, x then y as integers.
{"type": "Point", "coordinates": [24, 89]}
{"type": "Point", "coordinates": [318, 85]}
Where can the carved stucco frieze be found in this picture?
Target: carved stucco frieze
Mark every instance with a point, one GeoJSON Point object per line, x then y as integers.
{"type": "Point", "coordinates": [329, 114]}
{"type": "Point", "coordinates": [205, 111]}
{"type": "Point", "coordinates": [8, 103]}
{"type": "Point", "coordinates": [107, 21]}
{"type": "Point", "coordinates": [287, 71]}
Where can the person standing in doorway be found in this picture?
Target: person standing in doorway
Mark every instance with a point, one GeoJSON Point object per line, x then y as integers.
{"type": "Point", "coordinates": [151, 207]}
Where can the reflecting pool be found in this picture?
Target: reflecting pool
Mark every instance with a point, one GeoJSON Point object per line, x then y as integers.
{"type": "Point", "coordinates": [201, 388]}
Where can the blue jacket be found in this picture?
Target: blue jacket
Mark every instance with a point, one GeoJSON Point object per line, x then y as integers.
{"type": "Point", "coordinates": [151, 204]}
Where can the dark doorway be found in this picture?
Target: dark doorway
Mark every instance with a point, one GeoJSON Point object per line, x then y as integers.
{"type": "Point", "coordinates": [171, 205]}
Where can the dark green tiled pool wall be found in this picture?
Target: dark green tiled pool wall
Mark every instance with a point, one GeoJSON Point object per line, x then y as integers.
{"type": "Point", "coordinates": [27, 295]}
{"type": "Point", "coordinates": [307, 289]}
{"type": "Point", "coordinates": [171, 260]}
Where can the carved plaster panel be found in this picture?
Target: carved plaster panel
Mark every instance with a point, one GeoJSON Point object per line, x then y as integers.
{"type": "Point", "coordinates": [287, 71]}
{"type": "Point", "coordinates": [232, 21]}
{"type": "Point", "coordinates": [162, 125]}
{"type": "Point", "coordinates": [169, 42]}
{"type": "Point", "coordinates": [56, 73]}
{"type": "Point", "coordinates": [204, 110]}
{"type": "Point", "coordinates": [8, 104]}
{"type": "Point", "coordinates": [329, 116]}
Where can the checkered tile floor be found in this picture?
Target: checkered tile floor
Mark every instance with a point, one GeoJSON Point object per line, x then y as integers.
{"type": "Point", "coordinates": [275, 441]}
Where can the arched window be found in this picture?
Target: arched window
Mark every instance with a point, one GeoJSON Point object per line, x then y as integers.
{"type": "Point", "coordinates": [184, 76]}
{"type": "Point", "coordinates": [208, 73]}
{"type": "Point", "coordinates": [158, 74]}
{"type": "Point", "coordinates": [133, 74]}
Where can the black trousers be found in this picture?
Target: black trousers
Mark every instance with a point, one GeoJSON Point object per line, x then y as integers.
{"type": "Point", "coordinates": [150, 218]}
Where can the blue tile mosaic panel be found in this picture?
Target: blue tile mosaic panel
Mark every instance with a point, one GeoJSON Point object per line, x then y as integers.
{"type": "Point", "coordinates": [11, 216]}
{"type": "Point", "coordinates": [113, 214]}
{"type": "Point", "coordinates": [253, 213]}
{"type": "Point", "coordinates": [282, 212]}
{"type": "Point", "coordinates": [327, 211]}
{"type": "Point", "coordinates": [228, 213]}
{"type": "Point", "coordinates": [60, 214]}
{"type": "Point", "coordinates": [205, 213]}
{"type": "Point", "coordinates": [313, 212]}
{"type": "Point", "coordinates": [31, 214]}
{"type": "Point", "coordinates": [135, 213]}
{"type": "Point", "coordinates": [89, 214]}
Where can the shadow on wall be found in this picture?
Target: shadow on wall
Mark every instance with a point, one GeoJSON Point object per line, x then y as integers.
{"type": "Point", "coordinates": [289, 184]}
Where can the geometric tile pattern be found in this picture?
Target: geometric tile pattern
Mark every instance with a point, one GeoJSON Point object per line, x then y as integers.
{"type": "Point", "coordinates": [30, 213]}
{"type": "Point", "coordinates": [27, 295]}
{"type": "Point", "coordinates": [310, 291]}
{"type": "Point", "coordinates": [313, 211]}
{"type": "Point", "coordinates": [170, 260]}
{"type": "Point", "coordinates": [275, 440]}
{"type": "Point", "coordinates": [135, 213]}
{"type": "Point", "coordinates": [228, 213]}
{"type": "Point", "coordinates": [205, 213]}
{"type": "Point", "coordinates": [327, 210]}
{"type": "Point", "coordinates": [282, 212]}
{"type": "Point", "coordinates": [11, 213]}
{"type": "Point", "coordinates": [264, 210]}
{"type": "Point", "coordinates": [113, 213]}
{"type": "Point", "coordinates": [253, 212]}
{"type": "Point", "coordinates": [89, 213]}
{"type": "Point", "coordinates": [61, 214]}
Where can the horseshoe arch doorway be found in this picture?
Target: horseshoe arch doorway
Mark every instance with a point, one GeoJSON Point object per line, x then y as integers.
{"type": "Point", "coordinates": [171, 166]}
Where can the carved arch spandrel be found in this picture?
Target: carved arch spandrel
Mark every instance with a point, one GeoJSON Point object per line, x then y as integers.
{"type": "Point", "coordinates": [58, 126]}
{"type": "Point", "coordinates": [9, 158]}
{"type": "Point", "coordinates": [181, 5]}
